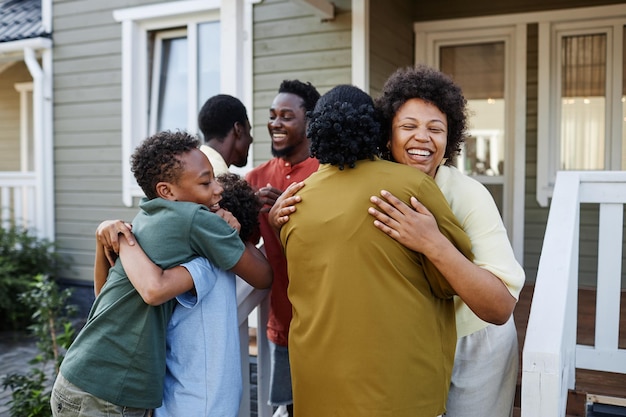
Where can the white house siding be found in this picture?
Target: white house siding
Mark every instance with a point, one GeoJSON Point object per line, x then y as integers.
{"type": "Point", "coordinates": [290, 42]}
{"type": "Point", "coordinates": [10, 114]}
{"type": "Point", "coordinates": [87, 122]}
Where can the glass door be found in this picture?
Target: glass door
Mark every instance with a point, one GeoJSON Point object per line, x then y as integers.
{"type": "Point", "coordinates": [479, 69]}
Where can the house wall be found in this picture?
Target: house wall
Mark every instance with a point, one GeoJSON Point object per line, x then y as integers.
{"type": "Point", "coordinates": [10, 115]}
{"type": "Point", "coordinates": [87, 121]}
{"type": "Point", "coordinates": [290, 42]}
{"type": "Point", "coordinates": [535, 216]}
{"type": "Point", "coordinates": [391, 40]}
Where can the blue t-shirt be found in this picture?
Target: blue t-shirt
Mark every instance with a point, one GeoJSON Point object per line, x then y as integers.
{"type": "Point", "coordinates": [203, 376]}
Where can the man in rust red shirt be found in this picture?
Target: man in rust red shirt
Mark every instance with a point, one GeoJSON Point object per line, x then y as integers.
{"type": "Point", "coordinates": [291, 163]}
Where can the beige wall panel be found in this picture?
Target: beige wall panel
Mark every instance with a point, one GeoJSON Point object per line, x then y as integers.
{"type": "Point", "coordinates": [10, 115]}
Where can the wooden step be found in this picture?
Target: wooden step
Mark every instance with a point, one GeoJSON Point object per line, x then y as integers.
{"type": "Point", "coordinates": [590, 385]}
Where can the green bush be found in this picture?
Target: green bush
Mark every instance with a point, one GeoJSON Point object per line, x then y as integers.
{"type": "Point", "coordinates": [22, 257]}
{"type": "Point", "coordinates": [30, 393]}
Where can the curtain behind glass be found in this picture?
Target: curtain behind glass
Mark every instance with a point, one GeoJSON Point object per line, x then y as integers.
{"type": "Point", "coordinates": [583, 101]}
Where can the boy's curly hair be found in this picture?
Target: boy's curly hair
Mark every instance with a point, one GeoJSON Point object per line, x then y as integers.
{"type": "Point", "coordinates": [433, 86]}
{"type": "Point", "coordinates": [344, 127]}
{"type": "Point", "coordinates": [240, 199]}
{"type": "Point", "coordinates": [305, 91]}
{"type": "Point", "coordinates": [158, 159]}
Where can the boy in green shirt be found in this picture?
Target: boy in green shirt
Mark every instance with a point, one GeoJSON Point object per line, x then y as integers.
{"type": "Point", "coordinates": [116, 364]}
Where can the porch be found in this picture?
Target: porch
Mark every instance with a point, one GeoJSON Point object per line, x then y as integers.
{"type": "Point", "coordinates": [572, 340]}
{"type": "Point", "coordinates": [590, 386]}
{"type": "Point", "coordinates": [18, 200]}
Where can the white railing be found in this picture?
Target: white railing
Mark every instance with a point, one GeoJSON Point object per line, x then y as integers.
{"type": "Point", "coordinates": [249, 298]}
{"type": "Point", "coordinates": [550, 354]}
{"type": "Point", "coordinates": [18, 203]}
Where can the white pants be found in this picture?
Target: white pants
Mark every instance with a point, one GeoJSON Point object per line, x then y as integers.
{"type": "Point", "coordinates": [484, 375]}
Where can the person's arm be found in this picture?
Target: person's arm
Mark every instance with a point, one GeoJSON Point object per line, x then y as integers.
{"type": "Point", "coordinates": [253, 267]}
{"type": "Point", "coordinates": [268, 196]}
{"type": "Point", "coordinates": [107, 235]}
{"type": "Point", "coordinates": [100, 268]}
{"type": "Point", "coordinates": [483, 292]}
{"type": "Point", "coordinates": [154, 284]}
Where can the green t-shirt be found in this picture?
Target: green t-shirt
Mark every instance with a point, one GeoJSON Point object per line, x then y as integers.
{"type": "Point", "coordinates": [119, 355]}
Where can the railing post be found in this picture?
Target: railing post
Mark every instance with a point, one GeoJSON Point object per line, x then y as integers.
{"type": "Point", "coordinates": [548, 364]}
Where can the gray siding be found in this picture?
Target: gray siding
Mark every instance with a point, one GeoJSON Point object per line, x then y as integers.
{"type": "Point", "coordinates": [292, 43]}
{"type": "Point", "coordinates": [10, 115]}
{"type": "Point", "coordinates": [391, 40]}
{"type": "Point", "coordinates": [535, 216]}
{"type": "Point", "coordinates": [87, 122]}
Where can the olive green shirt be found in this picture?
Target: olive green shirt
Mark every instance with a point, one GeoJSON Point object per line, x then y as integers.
{"type": "Point", "coordinates": [373, 331]}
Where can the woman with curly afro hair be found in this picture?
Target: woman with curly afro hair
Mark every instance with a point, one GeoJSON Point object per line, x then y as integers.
{"type": "Point", "coordinates": [425, 117]}
{"type": "Point", "coordinates": [373, 330]}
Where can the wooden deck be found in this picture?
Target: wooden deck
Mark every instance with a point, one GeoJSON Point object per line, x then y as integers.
{"type": "Point", "coordinates": [587, 382]}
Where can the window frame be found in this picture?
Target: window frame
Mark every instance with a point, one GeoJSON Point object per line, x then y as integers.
{"type": "Point", "coordinates": [155, 88]}
{"type": "Point", "coordinates": [136, 25]}
{"type": "Point", "coordinates": [606, 20]}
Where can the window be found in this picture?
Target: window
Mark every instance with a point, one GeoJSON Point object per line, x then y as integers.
{"type": "Point", "coordinates": [479, 69]}
{"type": "Point", "coordinates": [175, 55]}
{"type": "Point", "coordinates": [177, 92]}
{"type": "Point", "coordinates": [581, 98]}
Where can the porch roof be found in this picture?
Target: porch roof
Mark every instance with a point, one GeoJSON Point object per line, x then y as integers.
{"type": "Point", "coordinates": [21, 19]}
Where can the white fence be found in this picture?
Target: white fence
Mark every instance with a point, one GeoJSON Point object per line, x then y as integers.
{"type": "Point", "coordinates": [550, 354]}
{"type": "Point", "coordinates": [18, 203]}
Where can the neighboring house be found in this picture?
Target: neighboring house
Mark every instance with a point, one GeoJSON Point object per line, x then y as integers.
{"type": "Point", "coordinates": [82, 82]}
{"type": "Point", "coordinates": [26, 149]}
